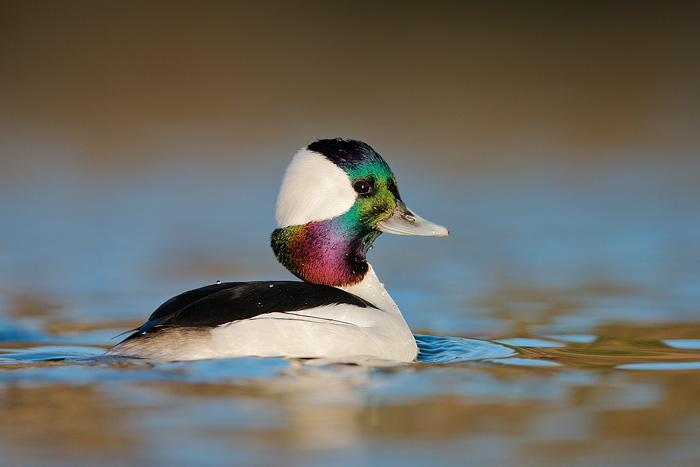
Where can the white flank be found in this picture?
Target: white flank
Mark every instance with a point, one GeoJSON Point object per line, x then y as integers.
{"type": "Point", "coordinates": [313, 189]}
{"type": "Point", "coordinates": [336, 332]}
{"type": "Point", "coordinates": [342, 333]}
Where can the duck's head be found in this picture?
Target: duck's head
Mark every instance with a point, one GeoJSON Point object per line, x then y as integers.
{"type": "Point", "coordinates": [337, 197]}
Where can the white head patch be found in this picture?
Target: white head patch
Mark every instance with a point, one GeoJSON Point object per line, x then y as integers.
{"type": "Point", "coordinates": [313, 189]}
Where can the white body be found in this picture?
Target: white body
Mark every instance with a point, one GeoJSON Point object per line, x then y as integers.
{"type": "Point", "coordinates": [344, 333]}
{"type": "Point", "coordinates": [332, 332]}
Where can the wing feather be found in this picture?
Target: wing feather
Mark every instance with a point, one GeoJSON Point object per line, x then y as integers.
{"type": "Point", "coordinates": [216, 304]}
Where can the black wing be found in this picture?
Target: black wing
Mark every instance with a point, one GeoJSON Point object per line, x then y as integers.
{"type": "Point", "coordinates": [217, 304]}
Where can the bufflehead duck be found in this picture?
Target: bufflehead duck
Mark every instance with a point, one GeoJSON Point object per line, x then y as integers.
{"type": "Point", "coordinates": [337, 197]}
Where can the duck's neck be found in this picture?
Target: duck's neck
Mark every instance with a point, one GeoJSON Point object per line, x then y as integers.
{"type": "Point", "coordinates": [372, 290]}
{"type": "Point", "coordinates": [324, 252]}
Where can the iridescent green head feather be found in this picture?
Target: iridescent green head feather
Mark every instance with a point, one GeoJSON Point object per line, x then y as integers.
{"type": "Point", "coordinates": [370, 176]}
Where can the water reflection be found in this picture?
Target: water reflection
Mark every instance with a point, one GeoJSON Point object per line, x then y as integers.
{"type": "Point", "coordinates": [550, 359]}
{"type": "Point", "coordinates": [46, 422]}
{"type": "Point", "coordinates": [270, 411]}
{"type": "Point", "coordinates": [615, 347]}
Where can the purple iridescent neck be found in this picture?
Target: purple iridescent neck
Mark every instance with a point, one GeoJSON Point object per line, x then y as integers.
{"type": "Point", "coordinates": [324, 252]}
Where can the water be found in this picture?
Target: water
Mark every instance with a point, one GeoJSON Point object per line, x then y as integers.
{"type": "Point", "coordinates": [557, 324]}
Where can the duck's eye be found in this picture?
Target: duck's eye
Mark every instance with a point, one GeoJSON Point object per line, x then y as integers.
{"type": "Point", "coordinates": [362, 187]}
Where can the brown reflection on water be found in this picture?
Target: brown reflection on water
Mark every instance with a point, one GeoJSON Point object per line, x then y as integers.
{"type": "Point", "coordinates": [612, 353]}
{"type": "Point", "coordinates": [68, 421]}
{"type": "Point", "coordinates": [546, 414]}
{"type": "Point", "coordinates": [24, 305]}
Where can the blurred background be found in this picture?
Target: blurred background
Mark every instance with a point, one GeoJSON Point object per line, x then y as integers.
{"type": "Point", "coordinates": [145, 140]}
{"type": "Point", "coordinates": [141, 149]}
{"type": "Point", "coordinates": [142, 144]}
{"type": "Point", "coordinates": [136, 84]}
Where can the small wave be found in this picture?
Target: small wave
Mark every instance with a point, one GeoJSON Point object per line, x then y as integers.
{"type": "Point", "coordinates": [433, 349]}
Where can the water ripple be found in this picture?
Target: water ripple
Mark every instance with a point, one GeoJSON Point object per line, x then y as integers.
{"type": "Point", "coordinates": [434, 349]}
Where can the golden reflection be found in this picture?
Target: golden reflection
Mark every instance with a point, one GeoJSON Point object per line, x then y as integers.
{"type": "Point", "coordinates": [25, 305]}
{"type": "Point", "coordinates": [546, 413]}
{"type": "Point", "coordinates": [327, 408]}
{"type": "Point", "coordinates": [622, 344]}
{"type": "Point", "coordinates": [71, 421]}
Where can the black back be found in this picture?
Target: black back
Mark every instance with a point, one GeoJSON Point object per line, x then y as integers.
{"type": "Point", "coordinates": [221, 303]}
